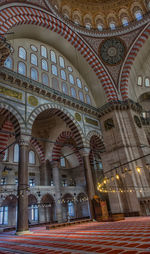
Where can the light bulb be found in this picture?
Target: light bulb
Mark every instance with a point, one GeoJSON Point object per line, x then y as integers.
{"type": "Point", "coordinates": [138, 169]}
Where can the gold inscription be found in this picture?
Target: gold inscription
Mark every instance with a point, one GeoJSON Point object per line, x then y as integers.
{"type": "Point", "coordinates": [78, 117]}
{"type": "Point", "coordinates": [91, 121]}
{"type": "Point", "coordinates": [11, 93]}
{"type": "Point", "coordinates": [33, 101]}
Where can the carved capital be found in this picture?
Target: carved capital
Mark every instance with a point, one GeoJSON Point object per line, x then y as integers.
{"type": "Point", "coordinates": [24, 140]}
{"type": "Point", "coordinates": [85, 152]}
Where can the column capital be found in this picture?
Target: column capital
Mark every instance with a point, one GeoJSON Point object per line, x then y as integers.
{"type": "Point", "coordinates": [24, 140]}
{"type": "Point", "coordinates": [54, 164]}
{"type": "Point", "coordinates": [85, 151]}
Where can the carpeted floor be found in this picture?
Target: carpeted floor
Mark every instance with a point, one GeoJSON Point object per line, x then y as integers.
{"type": "Point", "coordinates": [126, 237]}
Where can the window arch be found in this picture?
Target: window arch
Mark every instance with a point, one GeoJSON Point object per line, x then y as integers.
{"type": "Point", "coordinates": [34, 74]}
{"type": "Point", "coordinates": [53, 56]}
{"type": "Point", "coordinates": [64, 88]}
{"type": "Point", "coordinates": [147, 83]}
{"type": "Point", "coordinates": [22, 53]}
{"type": "Point", "coordinates": [55, 83]}
{"type": "Point", "coordinates": [63, 74]}
{"type": "Point", "coordinates": [81, 97]}
{"type": "Point", "coordinates": [54, 70]}
{"type": "Point", "coordinates": [138, 15]}
{"type": "Point", "coordinates": [79, 84]}
{"type": "Point", "coordinates": [71, 79]}
{"type": "Point", "coordinates": [99, 27]}
{"type": "Point", "coordinates": [139, 81]}
{"type": "Point", "coordinates": [73, 92]}
{"type": "Point", "coordinates": [22, 68]}
{"type": "Point", "coordinates": [31, 157]}
{"type": "Point", "coordinates": [44, 65]}
{"type": "Point", "coordinates": [88, 99]}
{"type": "Point", "coordinates": [43, 51]}
{"type": "Point", "coordinates": [61, 62]}
{"type": "Point", "coordinates": [45, 79]}
{"type": "Point", "coordinates": [125, 21]}
{"type": "Point", "coordinates": [34, 59]}
{"type": "Point", "coordinates": [8, 63]}
{"type": "Point", "coordinates": [112, 26]}
{"type": "Point", "coordinates": [16, 153]}
{"type": "Point", "coordinates": [62, 162]}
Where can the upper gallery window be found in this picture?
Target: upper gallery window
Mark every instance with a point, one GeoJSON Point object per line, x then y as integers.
{"type": "Point", "coordinates": [53, 56]}
{"type": "Point", "coordinates": [71, 79]}
{"type": "Point", "coordinates": [55, 83]}
{"type": "Point", "coordinates": [34, 59]}
{"type": "Point", "coordinates": [54, 70]}
{"type": "Point", "coordinates": [64, 88]}
{"type": "Point", "coordinates": [61, 62]}
{"type": "Point", "coordinates": [73, 92]}
{"type": "Point", "coordinates": [81, 97]}
{"type": "Point", "coordinates": [34, 74]}
{"type": "Point", "coordinates": [88, 25]}
{"type": "Point", "coordinates": [45, 79]}
{"type": "Point", "coordinates": [63, 74]}
{"type": "Point", "coordinates": [147, 83]}
{"type": "Point", "coordinates": [79, 84]}
{"type": "Point", "coordinates": [43, 51]}
{"type": "Point", "coordinates": [88, 100]}
{"type": "Point", "coordinates": [16, 153]}
{"type": "Point", "coordinates": [125, 21]}
{"type": "Point", "coordinates": [22, 53]}
{"type": "Point", "coordinates": [34, 48]}
{"type": "Point", "coordinates": [99, 27]}
{"type": "Point", "coordinates": [112, 26]}
{"type": "Point", "coordinates": [31, 157]}
{"type": "Point", "coordinates": [22, 68]}
{"type": "Point", "coordinates": [139, 81]}
{"type": "Point", "coordinates": [44, 65]}
{"type": "Point", "coordinates": [8, 62]}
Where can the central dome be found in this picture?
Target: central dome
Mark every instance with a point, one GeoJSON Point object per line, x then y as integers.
{"type": "Point", "coordinates": [102, 14]}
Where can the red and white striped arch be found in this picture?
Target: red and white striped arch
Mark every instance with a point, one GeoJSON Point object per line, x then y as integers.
{"type": "Point", "coordinates": [65, 138]}
{"type": "Point", "coordinates": [129, 61]}
{"type": "Point", "coordinates": [18, 15]}
{"type": "Point", "coordinates": [39, 149]}
{"type": "Point", "coordinates": [6, 129]}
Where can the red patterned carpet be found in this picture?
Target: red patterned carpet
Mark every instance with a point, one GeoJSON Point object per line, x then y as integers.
{"type": "Point", "coordinates": [126, 237]}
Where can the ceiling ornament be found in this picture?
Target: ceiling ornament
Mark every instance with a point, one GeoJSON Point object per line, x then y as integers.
{"type": "Point", "coordinates": [112, 51]}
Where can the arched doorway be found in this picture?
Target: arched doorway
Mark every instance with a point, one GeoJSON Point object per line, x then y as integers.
{"type": "Point", "coordinates": [47, 209]}
{"type": "Point", "coordinates": [8, 211]}
{"type": "Point", "coordinates": [68, 207]}
{"type": "Point", "coordinates": [33, 211]}
{"type": "Point", "coordinates": [82, 206]}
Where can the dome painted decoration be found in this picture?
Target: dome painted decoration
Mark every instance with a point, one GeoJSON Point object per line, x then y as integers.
{"type": "Point", "coordinates": [112, 51]}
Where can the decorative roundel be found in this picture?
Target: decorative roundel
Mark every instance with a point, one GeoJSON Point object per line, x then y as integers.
{"type": "Point", "coordinates": [112, 51]}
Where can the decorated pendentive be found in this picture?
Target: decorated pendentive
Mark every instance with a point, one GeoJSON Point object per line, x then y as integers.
{"type": "Point", "coordinates": [112, 51]}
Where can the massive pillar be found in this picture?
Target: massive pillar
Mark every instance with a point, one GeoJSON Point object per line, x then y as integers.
{"type": "Point", "coordinates": [89, 179]}
{"type": "Point", "coordinates": [22, 215]}
{"type": "Point", "coordinates": [125, 140]}
{"type": "Point", "coordinates": [43, 175]}
{"type": "Point", "coordinates": [56, 180]}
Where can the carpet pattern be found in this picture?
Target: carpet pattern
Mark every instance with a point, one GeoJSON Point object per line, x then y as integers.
{"type": "Point", "coordinates": [126, 237]}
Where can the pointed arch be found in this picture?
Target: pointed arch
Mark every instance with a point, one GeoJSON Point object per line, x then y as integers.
{"type": "Point", "coordinates": [18, 15]}
{"type": "Point", "coordinates": [127, 65]}
{"type": "Point", "coordinates": [64, 115]}
{"type": "Point", "coordinates": [6, 130]}
{"type": "Point", "coordinates": [63, 139]}
{"type": "Point", "coordinates": [38, 148]}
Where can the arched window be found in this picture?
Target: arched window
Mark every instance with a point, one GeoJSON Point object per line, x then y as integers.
{"type": "Point", "coordinates": [61, 62]}
{"type": "Point", "coordinates": [112, 26]}
{"type": "Point", "coordinates": [34, 59]}
{"type": "Point", "coordinates": [70, 68]}
{"type": "Point", "coordinates": [139, 81]}
{"type": "Point", "coordinates": [88, 26]}
{"type": "Point", "coordinates": [8, 63]}
{"type": "Point", "coordinates": [62, 162]}
{"type": "Point", "coordinates": [5, 155]}
{"type": "Point", "coordinates": [138, 15]}
{"type": "Point", "coordinates": [64, 88]}
{"type": "Point", "coordinates": [54, 70]}
{"type": "Point", "coordinates": [53, 56]}
{"type": "Point", "coordinates": [31, 157]}
{"type": "Point", "coordinates": [34, 74]}
{"type": "Point", "coordinates": [86, 88]}
{"type": "Point", "coordinates": [44, 65]}
{"type": "Point", "coordinates": [63, 74]}
{"type": "Point", "coordinates": [55, 83]}
{"type": "Point", "coordinates": [16, 153]}
{"type": "Point", "coordinates": [81, 97]}
{"type": "Point", "coordinates": [43, 51]}
{"type": "Point", "coordinates": [22, 53]}
{"type": "Point", "coordinates": [99, 27]}
{"type": "Point", "coordinates": [73, 92]}
{"type": "Point", "coordinates": [88, 100]}
{"type": "Point", "coordinates": [147, 83]}
{"type": "Point", "coordinates": [79, 84]}
{"type": "Point", "coordinates": [125, 21]}
{"type": "Point", "coordinates": [45, 79]}
{"type": "Point", "coordinates": [71, 79]}
{"type": "Point", "coordinates": [22, 68]}
{"type": "Point", "coordinates": [70, 209]}
{"type": "Point", "coordinates": [3, 215]}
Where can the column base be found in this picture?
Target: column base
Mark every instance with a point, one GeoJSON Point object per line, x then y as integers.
{"type": "Point", "coordinates": [26, 232]}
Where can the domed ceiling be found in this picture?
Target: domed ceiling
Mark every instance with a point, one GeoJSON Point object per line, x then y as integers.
{"type": "Point", "coordinates": [100, 13]}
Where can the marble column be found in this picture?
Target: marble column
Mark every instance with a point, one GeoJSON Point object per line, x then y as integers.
{"type": "Point", "coordinates": [56, 180]}
{"type": "Point", "coordinates": [89, 179]}
{"type": "Point", "coordinates": [22, 215]}
{"type": "Point", "coordinates": [43, 175]}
